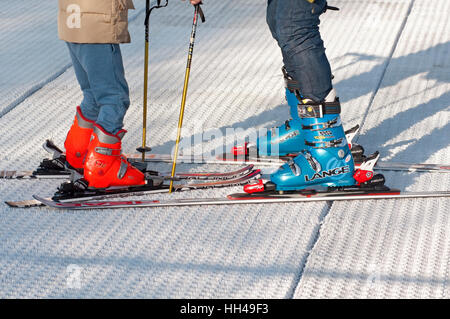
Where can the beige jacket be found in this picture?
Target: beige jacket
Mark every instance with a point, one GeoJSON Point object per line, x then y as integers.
{"type": "Point", "coordinates": [94, 21]}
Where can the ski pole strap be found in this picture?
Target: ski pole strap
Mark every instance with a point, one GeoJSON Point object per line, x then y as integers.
{"type": "Point", "coordinates": [323, 126]}
{"type": "Point", "coordinates": [319, 109]}
{"type": "Point", "coordinates": [325, 144]}
{"type": "Point", "coordinates": [149, 10]}
{"type": "Point", "coordinates": [200, 12]}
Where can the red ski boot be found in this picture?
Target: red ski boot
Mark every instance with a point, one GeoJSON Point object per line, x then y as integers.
{"type": "Point", "coordinates": [77, 140]}
{"type": "Point", "coordinates": [105, 166]}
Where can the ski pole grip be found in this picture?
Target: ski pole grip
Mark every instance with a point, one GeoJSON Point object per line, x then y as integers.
{"type": "Point", "coordinates": [150, 9]}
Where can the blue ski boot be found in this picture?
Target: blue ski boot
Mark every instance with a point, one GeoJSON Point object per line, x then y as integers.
{"type": "Point", "coordinates": [326, 159]}
{"type": "Point", "coordinates": [288, 139]}
{"type": "Point", "coordinates": [285, 139]}
{"type": "Point", "coordinates": [282, 140]}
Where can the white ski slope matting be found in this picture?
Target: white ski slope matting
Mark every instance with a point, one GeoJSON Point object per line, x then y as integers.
{"type": "Point", "coordinates": [390, 59]}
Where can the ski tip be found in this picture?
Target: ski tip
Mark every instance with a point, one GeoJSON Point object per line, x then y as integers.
{"type": "Point", "coordinates": [44, 201]}
{"type": "Point", "coordinates": [39, 198]}
{"type": "Point", "coordinates": [23, 204]}
{"type": "Point", "coordinates": [10, 204]}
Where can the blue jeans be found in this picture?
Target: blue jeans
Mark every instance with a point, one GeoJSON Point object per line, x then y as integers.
{"type": "Point", "coordinates": [100, 73]}
{"type": "Point", "coordinates": [295, 25]}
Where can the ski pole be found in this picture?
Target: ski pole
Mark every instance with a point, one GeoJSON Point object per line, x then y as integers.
{"type": "Point", "coordinates": [148, 10]}
{"type": "Point", "coordinates": [198, 11]}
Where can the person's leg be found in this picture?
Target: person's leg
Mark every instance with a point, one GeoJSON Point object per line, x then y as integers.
{"type": "Point", "coordinates": [89, 106]}
{"type": "Point", "coordinates": [286, 138]}
{"type": "Point", "coordinates": [79, 134]}
{"type": "Point", "coordinates": [271, 17]}
{"type": "Point", "coordinates": [326, 159]}
{"type": "Point", "coordinates": [296, 28]}
{"type": "Point", "coordinates": [104, 68]}
{"type": "Point", "coordinates": [104, 165]}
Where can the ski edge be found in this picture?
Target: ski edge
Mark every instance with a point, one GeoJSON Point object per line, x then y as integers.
{"type": "Point", "coordinates": [267, 161]}
{"type": "Point", "coordinates": [239, 180]}
{"type": "Point", "coordinates": [394, 194]}
{"type": "Point", "coordinates": [23, 175]}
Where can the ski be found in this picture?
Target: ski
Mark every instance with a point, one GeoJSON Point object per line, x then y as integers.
{"type": "Point", "coordinates": [411, 167]}
{"type": "Point", "coordinates": [125, 193]}
{"type": "Point", "coordinates": [212, 175]}
{"type": "Point", "coordinates": [226, 159]}
{"type": "Point", "coordinates": [261, 198]}
{"type": "Point", "coordinates": [34, 175]}
{"type": "Point", "coordinates": [117, 192]}
{"type": "Point", "coordinates": [41, 173]}
{"type": "Point", "coordinates": [229, 159]}
{"type": "Point", "coordinates": [262, 162]}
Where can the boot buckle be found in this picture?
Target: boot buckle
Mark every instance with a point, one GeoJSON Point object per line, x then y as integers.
{"type": "Point", "coordinates": [336, 122]}
{"type": "Point", "coordinates": [122, 169]}
{"type": "Point", "coordinates": [107, 151]}
{"type": "Point", "coordinates": [296, 170]}
{"type": "Point", "coordinates": [314, 163]}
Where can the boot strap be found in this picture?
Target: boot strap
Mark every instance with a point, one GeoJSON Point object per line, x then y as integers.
{"type": "Point", "coordinates": [289, 82]}
{"type": "Point", "coordinates": [318, 110]}
{"type": "Point", "coordinates": [326, 144]}
{"type": "Point", "coordinates": [108, 151]}
{"type": "Point", "coordinates": [322, 126]}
